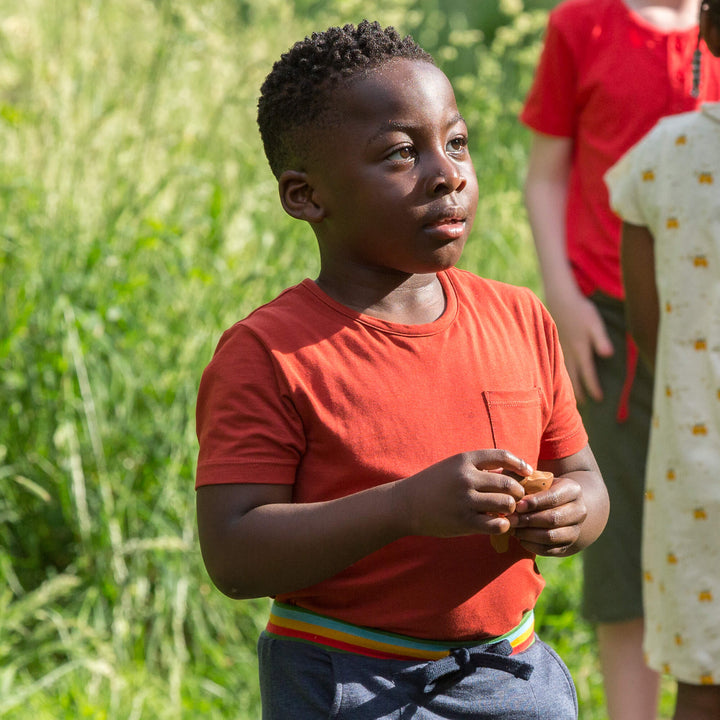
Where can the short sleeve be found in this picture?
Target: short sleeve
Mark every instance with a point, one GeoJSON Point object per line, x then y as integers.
{"type": "Point", "coordinates": [551, 107]}
{"type": "Point", "coordinates": [564, 434]}
{"type": "Point", "coordinates": [247, 426]}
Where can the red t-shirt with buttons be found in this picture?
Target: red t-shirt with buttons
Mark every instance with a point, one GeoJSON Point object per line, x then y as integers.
{"type": "Point", "coordinates": [604, 79]}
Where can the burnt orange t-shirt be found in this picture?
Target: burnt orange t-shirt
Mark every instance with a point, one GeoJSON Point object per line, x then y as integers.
{"type": "Point", "coordinates": [307, 392]}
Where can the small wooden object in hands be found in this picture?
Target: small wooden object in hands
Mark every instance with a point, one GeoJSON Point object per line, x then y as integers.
{"type": "Point", "coordinates": [539, 480]}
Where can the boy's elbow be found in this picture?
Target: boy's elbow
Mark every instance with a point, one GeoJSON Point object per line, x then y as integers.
{"type": "Point", "coordinates": [235, 591]}
{"type": "Point", "coordinates": [229, 572]}
{"type": "Point", "coordinates": [232, 582]}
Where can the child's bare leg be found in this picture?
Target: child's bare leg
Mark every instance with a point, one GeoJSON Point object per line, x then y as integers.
{"type": "Point", "coordinates": [631, 687]}
{"type": "Point", "coordinates": [697, 702]}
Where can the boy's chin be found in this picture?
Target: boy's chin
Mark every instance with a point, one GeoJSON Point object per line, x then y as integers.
{"type": "Point", "coordinates": [449, 257]}
{"type": "Point", "coordinates": [434, 268]}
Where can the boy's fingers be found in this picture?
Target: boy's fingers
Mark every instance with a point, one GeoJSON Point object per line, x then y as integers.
{"type": "Point", "coordinates": [602, 344]}
{"type": "Point", "coordinates": [560, 536]}
{"type": "Point", "coordinates": [587, 374]}
{"type": "Point", "coordinates": [550, 509]}
{"type": "Point", "coordinates": [558, 495]}
{"type": "Point", "coordinates": [495, 460]}
{"type": "Point", "coordinates": [497, 479]}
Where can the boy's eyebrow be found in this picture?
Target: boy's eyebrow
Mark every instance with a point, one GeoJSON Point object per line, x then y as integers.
{"type": "Point", "coordinates": [401, 126]}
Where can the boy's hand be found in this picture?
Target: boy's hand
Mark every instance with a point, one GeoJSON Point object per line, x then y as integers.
{"type": "Point", "coordinates": [549, 522]}
{"type": "Point", "coordinates": [582, 335]}
{"type": "Point", "coordinates": [462, 495]}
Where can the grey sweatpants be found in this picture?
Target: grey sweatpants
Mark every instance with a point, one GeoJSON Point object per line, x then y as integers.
{"type": "Point", "coordinates": [302, 681]}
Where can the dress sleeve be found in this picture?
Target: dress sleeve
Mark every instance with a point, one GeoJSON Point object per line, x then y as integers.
{"type": "Point", "coordinates": [551, 105]}
{"type": "Point", "coordinates": [247, 426]}
{"type": "Point", "coordinates": [628, 179]}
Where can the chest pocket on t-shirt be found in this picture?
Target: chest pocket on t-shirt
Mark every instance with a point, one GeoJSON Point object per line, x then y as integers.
{"type": "Point", "coordinates": [516, 421]}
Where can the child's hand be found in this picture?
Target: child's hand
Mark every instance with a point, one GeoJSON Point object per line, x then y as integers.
{"type": "Point", "coordinates": [462, 495]}
{"type": "Point", "coordinates": [539, 480]}
{"type": "Point", "coordinates": [549, 522]}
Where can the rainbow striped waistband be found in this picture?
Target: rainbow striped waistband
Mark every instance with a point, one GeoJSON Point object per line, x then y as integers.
{"type": "Point", "coordinates": [294, 623]}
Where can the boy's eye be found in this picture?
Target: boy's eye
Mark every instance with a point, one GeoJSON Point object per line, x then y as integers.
{"type": "Point", "coordinates": [407, 152]}
{"type": "Point", "coordinates": [457, 145]}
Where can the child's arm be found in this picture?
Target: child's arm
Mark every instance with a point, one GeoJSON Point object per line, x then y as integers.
{"type": "Point", "coordinates": [571, 514]}
{"type": "Point", "coordinates": [641, 296]}
{"type": "Point", "coordinates": [581, 329]}
{"type": "Point", "coordinates": [256, 542]}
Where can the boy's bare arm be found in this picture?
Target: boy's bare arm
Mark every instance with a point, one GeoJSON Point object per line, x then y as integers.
{"type": "Point", "coordinates": [571, 514]}
{"type": "Point", "coordinates": [546, 188]}
{"type": "Point", "coordinates": [641, 296]}
{"type": "Point", "coordinates": [256, 542]}
{"type": "Point", "coordinates": [581, 329]}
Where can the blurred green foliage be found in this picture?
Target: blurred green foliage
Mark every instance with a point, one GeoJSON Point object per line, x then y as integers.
{"type": "Point", "coordinates": [138, 220]}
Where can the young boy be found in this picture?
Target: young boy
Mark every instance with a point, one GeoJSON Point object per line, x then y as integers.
{"type": "Point", "coordinates": [363, 435]}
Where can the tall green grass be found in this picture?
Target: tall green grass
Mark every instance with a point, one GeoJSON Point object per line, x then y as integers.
{"type": "Point", "coordinates": [138, 220]}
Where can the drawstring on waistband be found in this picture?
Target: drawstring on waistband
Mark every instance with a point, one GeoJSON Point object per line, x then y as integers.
{"type": "Point", "coordinates": [462, 662]}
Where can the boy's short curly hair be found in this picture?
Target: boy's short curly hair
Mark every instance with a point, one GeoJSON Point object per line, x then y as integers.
{"type": "Point", "coordinates": [297, 92]}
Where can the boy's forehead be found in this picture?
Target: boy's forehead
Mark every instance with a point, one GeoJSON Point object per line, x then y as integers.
{"type": "Point", "coordinates": [399, 85]}
{"type": "Point", "coordinates": [399, 95]}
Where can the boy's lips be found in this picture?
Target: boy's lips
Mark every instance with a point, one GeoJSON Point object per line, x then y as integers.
{"type": "Point", "coordinates": [450, 216]}
{"type": "Point", "coordinates": [450, 222]}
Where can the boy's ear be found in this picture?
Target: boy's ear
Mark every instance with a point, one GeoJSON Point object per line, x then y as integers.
{"type": "Point", "coordinates": [298, 197]}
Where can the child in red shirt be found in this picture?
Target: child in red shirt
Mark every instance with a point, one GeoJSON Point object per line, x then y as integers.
{"type": "Point", "coordinates": [363, 435]}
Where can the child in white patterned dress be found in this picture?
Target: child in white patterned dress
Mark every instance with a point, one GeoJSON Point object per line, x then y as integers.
{"type": "Point", "coordinates": [666, 191]}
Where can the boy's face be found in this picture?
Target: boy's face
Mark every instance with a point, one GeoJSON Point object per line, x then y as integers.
{"type": "Point", "coordinates": [394, 177]}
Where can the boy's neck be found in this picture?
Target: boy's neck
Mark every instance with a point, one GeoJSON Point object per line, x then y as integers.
{"type": "Point", "coordinates": [667, 15]}
{"type": "Point", "coordinates": [413, 300]}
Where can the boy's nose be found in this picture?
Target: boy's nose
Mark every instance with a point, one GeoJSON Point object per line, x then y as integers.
{"type": "Point", "coordinates": [446, 178]}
